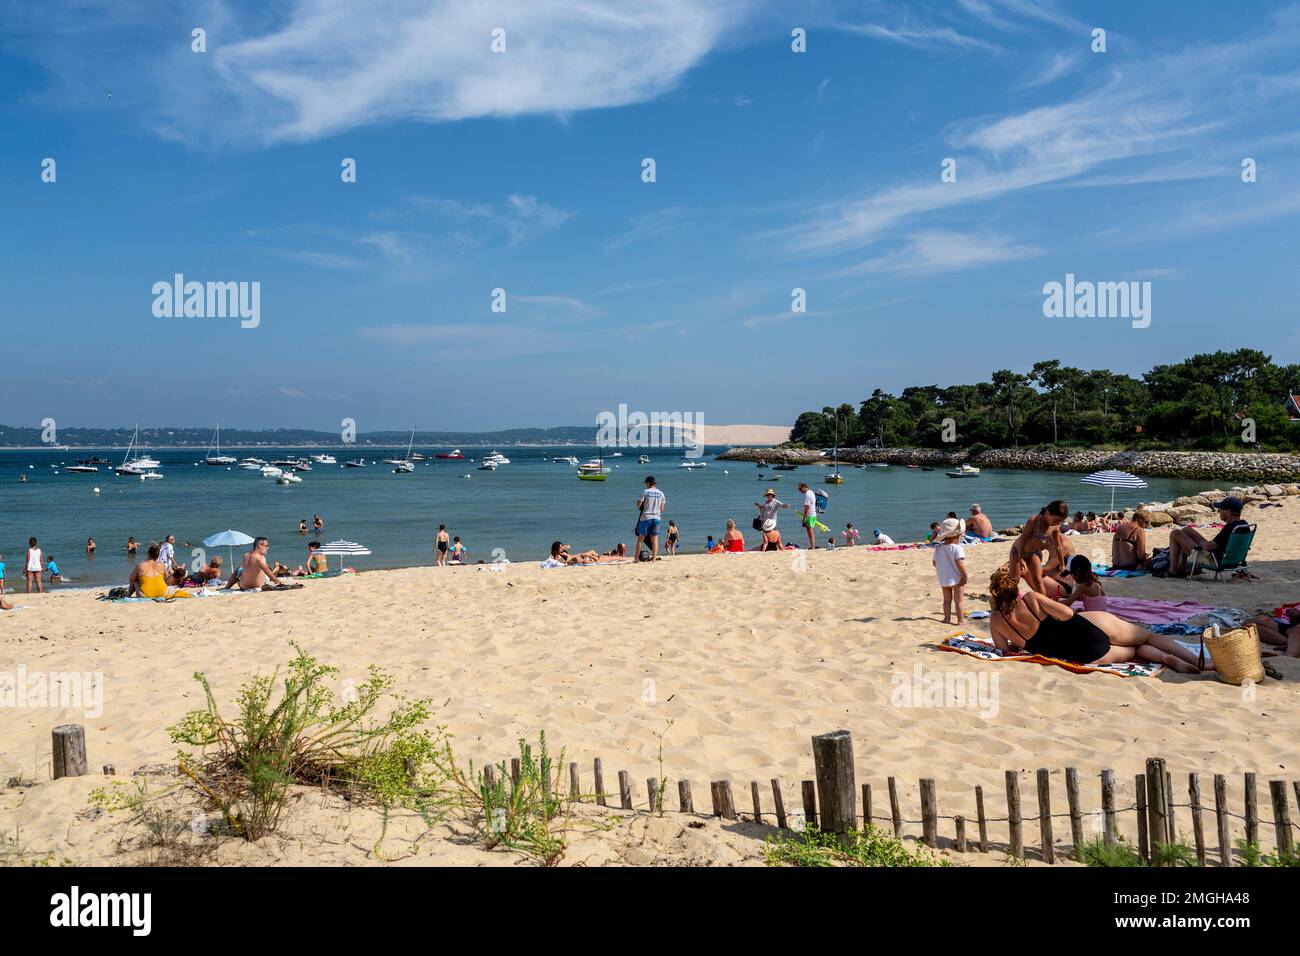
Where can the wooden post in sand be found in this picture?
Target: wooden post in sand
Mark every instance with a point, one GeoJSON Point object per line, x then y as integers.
{"type": "Point", "coordinates": [979, 810]}
{"type": "Point", "coordinates": [836, 790]}
{"type": "Point", "coordinates": [1221, 818]}
{"type": "Point", "coordinates": [69, 747]}
{"type": "Point", "coordinates": [1045, 815]}
{"type": "Point", "coordinates": [1157, 810]}
{"type": "Point", "coordinates": [1198, 827]}
{"type": "Point", "coordinates": [780, 804]}
{"type": "Point", "coordinates": [514, 773]}
{"type": "Point", "coordinates": [866, 806]}
{"type": "Point", "coordinates": [1076, 811]}
{"type": "Point", "coordinates": [1013, 815]}
{"type": "Point", "coordinates": [490, 776]}
{"type": "Point", "coordinates": [600, 781]}
{"type": "Point", "coordinates": [652, 787]}
{"type": "Point", "coordinates": [1252, 810]}
{"type": "Point", "coordinates": [110, 770]}
{"type": "Point", "coordinates": [1109, 826]}
{"type": "Point", "coordinates": [1281, 816]}
{"type": "Point", "coordinates": [758, 805]}
{"type": "Point", "coordinates": [894, 811]}
{"type": "Point", "coordinates": [1140, 789]}
{"type": "Point", "coordinates": [1169, 796]}
{"type": "Point", "coordinates": [809, 789]}
{"type": "Point", "coordinates": [960, 842]}
{"type": "Point", "coordinates": [725, 801]}
{"type": "Point", "coordinates": [624, 790]}
{"type": "Point", "coordinates": [575, 787]}
{"type": "Point", "coordinates": [929, 814]}
{"type": "Point", "coordinates": [684, 801]}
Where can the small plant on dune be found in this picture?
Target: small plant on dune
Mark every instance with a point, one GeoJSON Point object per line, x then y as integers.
{"type": "Point", "coordinates": [1253, 856]}
{"type": "Point", "coordinates": [165, 833]}
{"type": "Point", "coordinates": [528, 815]}
{"type": "Point", "coordinates": [1096, 852]}
{"type": "Point", "coordinates": [301, 735]}
{"type": "Point", "coordinates": [657, 798]}
{"type": "Point", "coordinates": [874, 847]}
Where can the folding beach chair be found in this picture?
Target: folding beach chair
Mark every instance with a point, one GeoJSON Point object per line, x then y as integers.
{"type": "Point", "coordinates": [1234, 555]}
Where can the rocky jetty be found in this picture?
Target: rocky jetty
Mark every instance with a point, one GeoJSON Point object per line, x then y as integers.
{"type": "Point", "coordinates": [1261, 467]}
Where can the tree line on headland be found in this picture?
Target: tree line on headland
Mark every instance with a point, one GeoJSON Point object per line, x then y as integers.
{"type": "Point", "coordinates": [1220, 401]}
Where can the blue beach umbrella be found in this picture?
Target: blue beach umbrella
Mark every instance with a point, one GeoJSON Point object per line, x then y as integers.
{"type": "Point", "coordinates": [1113, 479]}
{"type": "Point", "coordinates": [227, 539]}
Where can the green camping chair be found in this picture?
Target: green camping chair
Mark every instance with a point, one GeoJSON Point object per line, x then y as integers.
{"type": "Point", "coordinates": [1234, 555]}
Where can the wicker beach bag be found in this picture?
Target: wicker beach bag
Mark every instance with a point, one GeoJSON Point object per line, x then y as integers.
{"type": "Point", "coordinates": [1235, 654]}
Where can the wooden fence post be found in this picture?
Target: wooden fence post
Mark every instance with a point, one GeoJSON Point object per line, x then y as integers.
{"type": "Point", "coordinates": [929, 814]}
{"type": "Point", "coordinates": [809, 804]}
{"type": "Point", "coordinates": [575, 788]}
{"type": "Point", "coordinates": [624, 790]}
{"type": "Point", "coordinates": [1281, 816]}
{"type": "Point", "coordinates": [1045, 815]}
{"type": "Point", "coordinates": [1140, 790]}
{"type": "Point", "coordinates": [758, 805]}
{"type": "Point", "coordinates": [960, 843]}
{"type": "Point", "coordinates": [599, 772]}
{"type": "Point", "coordinates": [69, 749]}
{"type": "Point", "coordinates": [1198, 827]}
{"type": "Point", "coordinates": [1076, 810]}
{"type": "Point", "coordinates": [836, 790]}
{"type": "Point", "coordinates": [866, 806]}
{"type": "Point", "coordinates": [1252, 810]}
{"type": "Point", "coordinates": [1110, 828]}
{"type": "Point", "coordinates": [1221, 818]}
{"type": "Point", "coordinates": [684, 801]}
{"type": "Point", "coordinates": [894, 810]}
{"type": "Point", "coordinates": [1013, 815]}
{"type": "Point", "coordinates": [1157, 810]}
{"type": "Point", "coordinates": [979, 810]}
{"type": "Point", "coordinates": [781, 821]}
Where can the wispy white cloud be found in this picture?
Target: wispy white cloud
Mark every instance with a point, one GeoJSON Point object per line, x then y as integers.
{"type": "Point", "coordinates": [647, 227]}
{"type": "Point", "coordinates": [315, 68]}
{"type": "Point", "coordinates": [939, 250]}
{"type": "Point", "coordinates": [921, 36]}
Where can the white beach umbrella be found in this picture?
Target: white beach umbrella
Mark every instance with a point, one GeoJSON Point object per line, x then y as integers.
{"type": "Point", "coordinates": [348, 548]}
{"type": "Point", "coordinates": [1113, 479]}
{"type": "Point", "coordinates": [227, 539]}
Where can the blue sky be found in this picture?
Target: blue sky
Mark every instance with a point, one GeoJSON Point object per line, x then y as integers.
{"type": "Point", "coordinates": [522, 170]}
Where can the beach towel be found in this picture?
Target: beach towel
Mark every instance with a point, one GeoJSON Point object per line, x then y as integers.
{"type": "Point", "coordinates": [973, 646]}
{"type": "Point", "coordinates": [1144, 611]}
{"type": "Point", "coordinates": [1106, 571]}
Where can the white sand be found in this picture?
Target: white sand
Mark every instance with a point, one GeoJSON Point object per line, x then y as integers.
{"type": "Point", "coordinates": [748, 655]}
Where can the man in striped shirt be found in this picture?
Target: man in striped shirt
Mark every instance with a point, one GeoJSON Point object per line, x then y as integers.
{"type": "Point", "coordinates": [767, 508]}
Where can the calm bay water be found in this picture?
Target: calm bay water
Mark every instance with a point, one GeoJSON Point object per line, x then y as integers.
{"type": "Point", "coordinates": [520, 508]}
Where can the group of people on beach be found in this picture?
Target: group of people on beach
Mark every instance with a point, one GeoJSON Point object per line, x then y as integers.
{"type": "Point", "coordinates": [1042, 619]}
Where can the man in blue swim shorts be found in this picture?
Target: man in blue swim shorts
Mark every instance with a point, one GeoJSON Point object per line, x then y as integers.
{"type": "Point", "coordinates": [650, 507]}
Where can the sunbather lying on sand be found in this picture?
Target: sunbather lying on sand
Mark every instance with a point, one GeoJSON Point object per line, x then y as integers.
{"type": "Point", "coordinates": [1277, 638]}
{"type": "Point", "coordinates": [1037, 625]}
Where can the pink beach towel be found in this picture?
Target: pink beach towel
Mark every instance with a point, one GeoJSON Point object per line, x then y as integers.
{"type": "Point", "coordinates": [1141, 611]}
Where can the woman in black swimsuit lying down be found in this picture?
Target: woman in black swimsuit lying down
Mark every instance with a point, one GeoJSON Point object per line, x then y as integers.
{"type": "Point", "coordinates": [1039, 625]}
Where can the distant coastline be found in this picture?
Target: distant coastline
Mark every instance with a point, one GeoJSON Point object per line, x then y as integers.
{"type": "Point", "coordinates": [1210, 465]}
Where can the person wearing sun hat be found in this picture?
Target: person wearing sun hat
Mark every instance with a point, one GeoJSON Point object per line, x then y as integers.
{"type": "Point", "coordinates": [1185, 542]}
{"type": "Point", "coordinates": [880, 537]}
{"type": "Point", "coordinates": [767, 509]}
{"type": "Point", "coordinates": [950, 566]}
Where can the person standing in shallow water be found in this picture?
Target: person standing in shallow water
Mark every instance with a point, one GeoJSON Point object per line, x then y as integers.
{"type": "Point", "coordinates": [441, 544]}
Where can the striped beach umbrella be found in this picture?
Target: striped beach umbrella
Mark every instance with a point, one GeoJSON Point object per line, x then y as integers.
{"type": "Point", "coordinates": [1113, 479]}
{"type": "Point", "coordinates": [348, 548]}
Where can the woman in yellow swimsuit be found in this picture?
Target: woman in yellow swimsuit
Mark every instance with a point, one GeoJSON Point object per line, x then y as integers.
{"type": "Point", "coordinates": [149, 577]}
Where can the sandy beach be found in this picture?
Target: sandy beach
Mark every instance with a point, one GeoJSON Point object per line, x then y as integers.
{"type": "Point", "coordinates": [747, 655]}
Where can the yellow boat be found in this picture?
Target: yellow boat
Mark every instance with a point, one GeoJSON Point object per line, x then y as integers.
{"type": "Point", "coordinates": [591, 472]}
{"type": "Point", "coordinates": [835, 479]}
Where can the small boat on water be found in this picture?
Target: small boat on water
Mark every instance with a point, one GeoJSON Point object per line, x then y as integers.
{"type": "Point", "coordinates": [251, 464]}
{"type": "Point", "coordinates": [141, 463]}
{"type": "Point", "coordinates": [218, 458]}
{"type": "Point", "coordinates": [149, 475]}
{"type": "Point", "coordinates": [355, 463]}
{"type": "Point", "coordinates": [592, 471]}
{"type": "Point", "coordinates": [565, 460]}
{"type": "Point", "coordinates": [82, 469]}
{"type": "Point", "coordinates": [271, 471]}
{"type": "Point", "coordinates": [496, 458]}
{"type": "Point", "coordinates": [965, 471]}
{"type": "Point", "coordinates": [877, 464]}
{"type": "Point", "coordinates": [760, 463]}
{"type": "Point", "coordinates": [643, 460]}
{"type": "Point", "coordinates": [926, 468]}
{"type": "Point", "coordinates": [453, 455]}
{"type": "Point", "coordinates": [835, 478]}
{"type": "Point", "coordinates": [785, 467]}
{"type": "Point", "coordinates": [288, 478]}
{"type": "Point", "coordinates": [487, 466]}
{"type": "Point", "coordinates": [324, 459]}
{"type": "Point", "coordinates": [418, 457]}
{"type": "Point", "coordinates": [403, 467]}
{"type": "Point", "coordinates": [693, 464]}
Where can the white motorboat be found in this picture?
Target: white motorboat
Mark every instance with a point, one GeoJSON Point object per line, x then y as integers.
{"type": "Point", "coordinates": [403, 467]}
{"type": "Point", "coordinates": [355, 463]}
{"type": "Point", "coordinates": [488, 466]}
{"type": "Point", "coordinates": [293, 464]}
{"type": "Point", "coordinates": [288, 478]}
{"type": "Point", "coordinates": [643, 460]}
{"type": "Point", "coordinates": [270, 471]}
{"type": "Point", "coordinates": [596, 465]}
{"type": "Point", "coordinates": [218, 458]}
{"type": "Point", "coordinates": [402, 463]}
{"type": "Point", "coordinates": [251, 464]}
{"type": "Point", "coordinates": [82, 469]}
{"type": "Point", "coordinates": [324, 459]}
{"type": "Point", "coordinates": [147, 475]}
{"type": "Point", "coordinates": [496, 458]}
{"type": "Point", "coordinates": [693, 464]}
{"type": "Point", "coordinates": [565, 460]}
{"type": "Point", "coordinates": [965, 471]}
